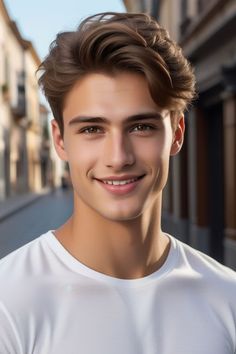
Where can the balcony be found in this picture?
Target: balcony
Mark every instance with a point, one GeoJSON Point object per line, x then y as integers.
{"type": "Point", "coordinates": [19, 110]}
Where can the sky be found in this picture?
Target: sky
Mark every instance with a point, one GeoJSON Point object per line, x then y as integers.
{"type": "Point", "coordinates": [40, 21]}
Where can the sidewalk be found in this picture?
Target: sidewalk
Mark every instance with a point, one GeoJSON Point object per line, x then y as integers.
{"type": "Point", "coordinates": [11, 205]}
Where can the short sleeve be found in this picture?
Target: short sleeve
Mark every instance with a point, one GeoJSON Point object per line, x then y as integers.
{"type": "Point", "coordinates": [9, 338]}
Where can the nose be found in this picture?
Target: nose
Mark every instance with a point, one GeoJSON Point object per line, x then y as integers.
{"type": "Point", "coordinates": [118, 152]}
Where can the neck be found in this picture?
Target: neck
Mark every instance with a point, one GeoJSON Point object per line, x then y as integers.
{"type": "Point", "coordinates": [127, 250]}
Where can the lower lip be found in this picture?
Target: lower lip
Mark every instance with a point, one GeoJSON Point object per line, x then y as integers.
{"type": "Point", "coordinates": [120, 189]}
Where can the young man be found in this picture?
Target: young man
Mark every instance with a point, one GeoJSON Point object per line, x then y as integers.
{"type": "Point", "coordinates": [110, 281]}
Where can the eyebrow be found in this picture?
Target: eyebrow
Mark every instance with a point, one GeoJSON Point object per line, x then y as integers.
{"type": "Point", "coordinates": [135, 117]}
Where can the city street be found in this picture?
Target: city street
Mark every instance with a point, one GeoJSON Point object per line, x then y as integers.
{"type": "Point", "coordinates": [48, 212]}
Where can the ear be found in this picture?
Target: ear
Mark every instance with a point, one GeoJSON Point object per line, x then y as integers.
{"type": "Point", "coordinates": [178, 136]}
{"type": "Point", "coordinates": [58, 141]}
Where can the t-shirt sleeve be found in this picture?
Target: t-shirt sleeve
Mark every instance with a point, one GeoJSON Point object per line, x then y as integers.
{"type": "Point", "coordinates": [9, 338]}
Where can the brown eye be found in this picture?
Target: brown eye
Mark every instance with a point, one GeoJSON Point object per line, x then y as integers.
{"type": "Point", "coordinates": [143, 127]}
{"type": "Point", "coordinates": [91, 130]}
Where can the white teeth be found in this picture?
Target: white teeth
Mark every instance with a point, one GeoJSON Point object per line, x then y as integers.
{"type": "Point", "coordinates": [117, 183]}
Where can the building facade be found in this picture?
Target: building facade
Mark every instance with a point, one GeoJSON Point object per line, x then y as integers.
{"type": "Point", "coordinates": [21, 130]}
{"type": "Point", "coordinates": [34, 124]}
{"type": "Point", "coordinates": [200, 198]}
{"type": "Point", "coordinates": [12, 107]}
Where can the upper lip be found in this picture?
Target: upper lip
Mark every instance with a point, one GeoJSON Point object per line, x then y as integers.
{"type": "Point", "coordinates": [119, 178]}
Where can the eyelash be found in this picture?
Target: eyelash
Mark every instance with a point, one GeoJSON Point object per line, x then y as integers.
{"type": "Point", "coordinates": [150, 127]}
{"type": "Point", "coordinates": [85, 130]}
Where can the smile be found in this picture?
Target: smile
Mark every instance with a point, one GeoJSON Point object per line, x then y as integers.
{"type": "Point", "coordinates": [120, 186]}
{"type": "Point", "coordinates": [121, 183]}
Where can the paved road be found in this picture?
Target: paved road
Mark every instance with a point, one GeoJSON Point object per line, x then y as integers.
{"type": "Point", "coordinates": [47, 213]}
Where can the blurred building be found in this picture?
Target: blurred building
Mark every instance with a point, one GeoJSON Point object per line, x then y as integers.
{"type": "Point", "coordinates": [148, 6]}
{"type": "Point", "coordinates": [34, 123]}
{"type": "Point", "coordinates": [45, 147]}
{"type": "Point", "coordinates": [200, 199]}
{"type": "Point", "coordinates": [21, 128]}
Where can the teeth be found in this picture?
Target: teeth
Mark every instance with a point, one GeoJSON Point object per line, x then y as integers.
{"type": "Point", "coordinates": [120, 183]}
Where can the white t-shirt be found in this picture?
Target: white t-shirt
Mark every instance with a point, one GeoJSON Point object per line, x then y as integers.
{"type": "Point", "coordinates": [50, 303]}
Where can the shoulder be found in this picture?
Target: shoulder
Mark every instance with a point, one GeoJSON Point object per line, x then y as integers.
{"type": "Point", "coordinates": [22, 272]}
{"type": "Point", "coordinates": [205, 266]}
{"type": "Point", "coordinates": [20, 263]}
{"type": "Point", "coordinates": [18, 280]}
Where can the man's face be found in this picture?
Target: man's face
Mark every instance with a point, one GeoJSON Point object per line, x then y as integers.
{"type": "Point", "coordinates": [117, 142]}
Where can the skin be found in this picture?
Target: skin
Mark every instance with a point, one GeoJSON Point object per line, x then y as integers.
{"type": "Point", "coordinates": [118, 235]}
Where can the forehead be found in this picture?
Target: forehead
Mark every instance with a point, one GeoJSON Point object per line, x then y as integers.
{"type": "Point", "coordinates": [113, 96]}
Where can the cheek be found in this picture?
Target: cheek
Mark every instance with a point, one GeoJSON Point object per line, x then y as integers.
{"type": "Point", "coordinates": [81, 156]}
{"type": "Point", "coordinates": [155, 151]}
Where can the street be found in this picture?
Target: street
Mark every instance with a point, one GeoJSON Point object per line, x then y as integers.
{"type": "Point", "coordinates": [47, 213]}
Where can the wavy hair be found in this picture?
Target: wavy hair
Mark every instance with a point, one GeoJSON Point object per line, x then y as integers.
{"type": "Point", "coordinates": [112, 42]}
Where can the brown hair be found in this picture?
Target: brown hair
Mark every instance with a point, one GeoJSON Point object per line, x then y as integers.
{"type": "Point", "coordinates": [111, 42]}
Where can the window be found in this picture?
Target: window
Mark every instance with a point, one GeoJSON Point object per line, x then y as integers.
{"type": "Point", "coordinates": [184, 9]}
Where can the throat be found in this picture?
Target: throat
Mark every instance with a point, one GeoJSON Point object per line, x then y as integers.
{"type": "Point", "coordinates": [126, 250]}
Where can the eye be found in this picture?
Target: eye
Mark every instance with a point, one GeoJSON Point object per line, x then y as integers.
{"type": "Point", "coordinates": [91, 130]}
{"type": "Point", "coordinates": [143, 127]}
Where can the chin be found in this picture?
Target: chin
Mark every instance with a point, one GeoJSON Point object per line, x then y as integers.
{"type": "Point", "coordinates": [122, 216]}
